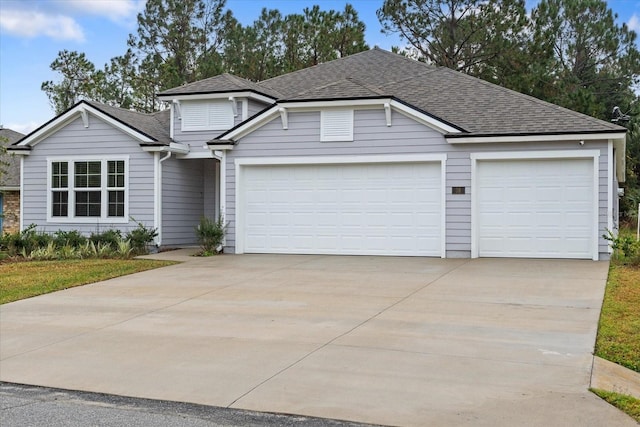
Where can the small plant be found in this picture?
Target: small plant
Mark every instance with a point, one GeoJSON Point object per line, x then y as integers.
{"type": "Point", "coordinates": [210, 235]}
{"type": "Point", "coordinates": [124, 249]}
{"type": "Point", "coordinates": [108, 237]}
{"type": "Point", "coordinates": [626, 247]}
{"type": "Point", "coordinates": [140, 237]}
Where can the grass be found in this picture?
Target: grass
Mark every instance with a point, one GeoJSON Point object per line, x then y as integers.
{"type": "Point", "coordinates": [619, 331]}
{"type": "Point", "coordinates": [628, 404]}
{"type": "Point", "coordinates": [28, 279]}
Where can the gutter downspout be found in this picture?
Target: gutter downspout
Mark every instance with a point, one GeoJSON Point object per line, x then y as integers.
{"type": "Point", "coordinates": [158, 193]}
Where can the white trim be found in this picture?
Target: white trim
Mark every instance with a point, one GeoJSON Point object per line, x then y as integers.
{"type": "Point", "coordinates": [196, 155]}
{"type": "Point", "coordinates": [610, 190]}
{"type": "Point", "coordinates": [559, 154]}
{"type": "Point", "coordinates": [21, 193]}
{"type": "Point", "coordinates": [157, 188]}
{"type": "Point", "coordinates": [284, 117]}
{"type": "Point", "coordinates": [220, 147]}
{"type": "Point", "coordinates": [328, 160]}
{"type": "Point", "coordinates": [71, 189]}
{"type": "Point", "coordinates": [387, 113]}
{"type": "Point", "coordinates": [85, 117]}
{"type": "Point", "coordinates": [222, 182]}
{"type": "Point", "coordinates": [10, 188]}
{"type": "Point", "coordinates": [245, 109]}
{"type": "Point", "coordinates": [199, 96]}
{"type": "Point", "coordinates": [62, 120]}
{"type": "Point", "coordinates": [355, 104]}
{"type": "Point", "coordinates": [174, 147]}
{"type": "Point", "coordinates": [425, 119]}
{"type": "Point", "coordinates": [531, 155]}
{"type": "Point", "coordinates": [234, 106]}
{"type": "Point", "coordinates": [324, 160]}
{"type": "Point", "coordinates": [534, 138]}
{"type": "Point", "coordinates": [171, 119]}
{"type": "Point", "coordinates": [158, 207]}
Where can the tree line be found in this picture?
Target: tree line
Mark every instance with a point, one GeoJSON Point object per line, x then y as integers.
{"type": "Point", "coordinates": [572, 53]}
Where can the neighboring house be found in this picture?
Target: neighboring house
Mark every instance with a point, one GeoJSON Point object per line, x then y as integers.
{"type": "Point", "coordinates": [373, 154]}
{"type": "Point", "coordinates": [9, 184]}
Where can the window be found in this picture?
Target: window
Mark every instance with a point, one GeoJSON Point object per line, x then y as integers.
{"type": "Point", "coordinates": [207, 115]}
{"type": "Point", "coordinates": [97, 189]}
{"type": "Point", "coordinates": [336, 125]}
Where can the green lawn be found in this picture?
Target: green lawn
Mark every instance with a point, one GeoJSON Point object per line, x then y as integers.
{"type": "Point", "coordinates": [623, 402]}
{"type": "Point", "coordinates": [619, 330]}
{"type": "Point", "coordinates": [27, 279]}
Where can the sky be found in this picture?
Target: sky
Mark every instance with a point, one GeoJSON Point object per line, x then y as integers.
{"type": "Point", "coordinates": [32, 32]}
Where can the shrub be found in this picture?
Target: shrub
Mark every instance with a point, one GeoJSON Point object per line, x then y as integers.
{"type": "Point", "coordinates": [73, 238]}
{"type": "Point", "coordinates": [107, 237]}
{"type": "Point", "coordinates": [124, 249]}
{"type": "Point", "coordinates": [626, 247]}
{"type": "Point", "coordinates": [210, 235]}
{"type": "Point", "coordinates": [24, 242]}
{"type": "Point", "coordinates": [140, 237]}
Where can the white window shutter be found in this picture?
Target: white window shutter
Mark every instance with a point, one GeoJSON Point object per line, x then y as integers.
{"type": "Point", "coordinates": [207, 115]}
{"type": "Point", "coordinates": [336, 125]}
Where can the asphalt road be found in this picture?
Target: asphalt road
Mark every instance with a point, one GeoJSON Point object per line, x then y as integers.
{"type": "Point", "coordinates": [22, 405]}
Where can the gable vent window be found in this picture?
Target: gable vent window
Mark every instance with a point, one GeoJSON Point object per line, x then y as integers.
{"type": "Point", "coordinates": [207, 115]}
{"type": "Point", "coordinates": [336, 125]}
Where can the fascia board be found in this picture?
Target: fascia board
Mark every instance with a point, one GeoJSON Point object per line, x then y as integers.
{"type": "Point", "coordinates": [534, 138]}
{"type": "Point", "coordinates": [218, 95]}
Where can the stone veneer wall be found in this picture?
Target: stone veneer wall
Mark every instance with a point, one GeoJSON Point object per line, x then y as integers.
{"type": "Point", "coordinates": [11, 210]}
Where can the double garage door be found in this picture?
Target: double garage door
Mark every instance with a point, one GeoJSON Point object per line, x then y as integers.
{"type": "Point", "coordinates": [354, 209]}
{"type": "Point", "coordinates": [540, 208]}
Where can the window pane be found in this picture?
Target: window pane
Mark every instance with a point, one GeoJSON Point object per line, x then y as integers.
{"type": "Point", "coordinates": [87, 174]}
{"type": "Point", "coordinates": [60, 203]}
{"type": "Point", "coordinates": [59, 175]}
{"type": "Point", "coordinates": [115, 177]}
{"type": "Point", "coordinates": [88, 203]}
{"type": "Point", "coordinates": [116, 203]}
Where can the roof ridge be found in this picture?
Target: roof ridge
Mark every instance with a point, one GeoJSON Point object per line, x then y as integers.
{"type": "Point", "coordinates": [406, 58]}
{"type": "Point", "coordinates": [532, 98]}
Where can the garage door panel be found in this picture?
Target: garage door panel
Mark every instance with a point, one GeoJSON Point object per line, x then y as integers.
{"type": "Point", "coordinates": [378, 209]}
{"type": "Point", "coordinates": [535, 208]}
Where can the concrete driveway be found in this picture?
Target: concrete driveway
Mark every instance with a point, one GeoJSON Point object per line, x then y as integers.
{"type": "Point", "coordinates": [399, 341]}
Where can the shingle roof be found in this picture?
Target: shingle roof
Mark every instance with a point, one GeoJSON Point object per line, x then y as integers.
{"type": "Point", "coordinates": [470, 104]}
{"type": "Point", "coordinates": [11, 177]}
{"type": "Point", "coordinates": [155, 125]}
{"type": "Point", "coordinates": [476, 106]}
{"type": "Point", "coordinates": [218, 84]}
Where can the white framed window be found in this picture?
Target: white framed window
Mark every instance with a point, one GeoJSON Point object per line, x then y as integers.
{"type": "Point", "coordinates": [87, 189]}
{"type": "Point", "coordinates": [336, 125]}
{"type": "Point", "coordinates": [207, 115]}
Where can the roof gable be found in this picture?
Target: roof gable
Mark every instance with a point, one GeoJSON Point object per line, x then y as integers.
{"type": "Point", "coordinates": [146, 128]}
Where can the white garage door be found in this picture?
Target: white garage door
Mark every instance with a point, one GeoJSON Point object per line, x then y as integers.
{"type": "Point", "coordinates": [535, 208]}
{"type": "Point", "coordinates": [356, 209]}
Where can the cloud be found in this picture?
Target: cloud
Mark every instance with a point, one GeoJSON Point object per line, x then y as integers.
{"type": "Point", "coordinates": [115, 10]}
{"type": "Point", "coordinates": [24, 128]}
{"type": "Point", "coordinates": [31, 23]}
{"type": "Point", "coordinates": [634, 23]}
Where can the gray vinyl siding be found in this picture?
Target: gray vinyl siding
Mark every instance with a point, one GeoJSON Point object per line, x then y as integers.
{"type": "Point", "coordinates": [255, 107]}
{"type": "Point", "coordinates": [405, 136]}
{"type": "Point", "coordinates": [99, 140]}
{"type": "Point", "coordinates": [183, 199]}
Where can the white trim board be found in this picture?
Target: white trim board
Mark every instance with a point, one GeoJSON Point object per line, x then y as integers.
{"type": "Point", "coordinates": [240, 163]}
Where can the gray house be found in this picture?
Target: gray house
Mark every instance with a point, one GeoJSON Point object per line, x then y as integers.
{"type": "Point", "coordinates": [371, 154]}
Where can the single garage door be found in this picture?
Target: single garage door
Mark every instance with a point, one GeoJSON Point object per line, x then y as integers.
{"type": "Point", "coordinates": [355, 209]}
{"type": "Point", "coordinates": [535, 208]}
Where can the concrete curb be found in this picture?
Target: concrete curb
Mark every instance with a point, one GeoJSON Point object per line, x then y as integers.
{"type": "Point", "coordinates": [610, 376]}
